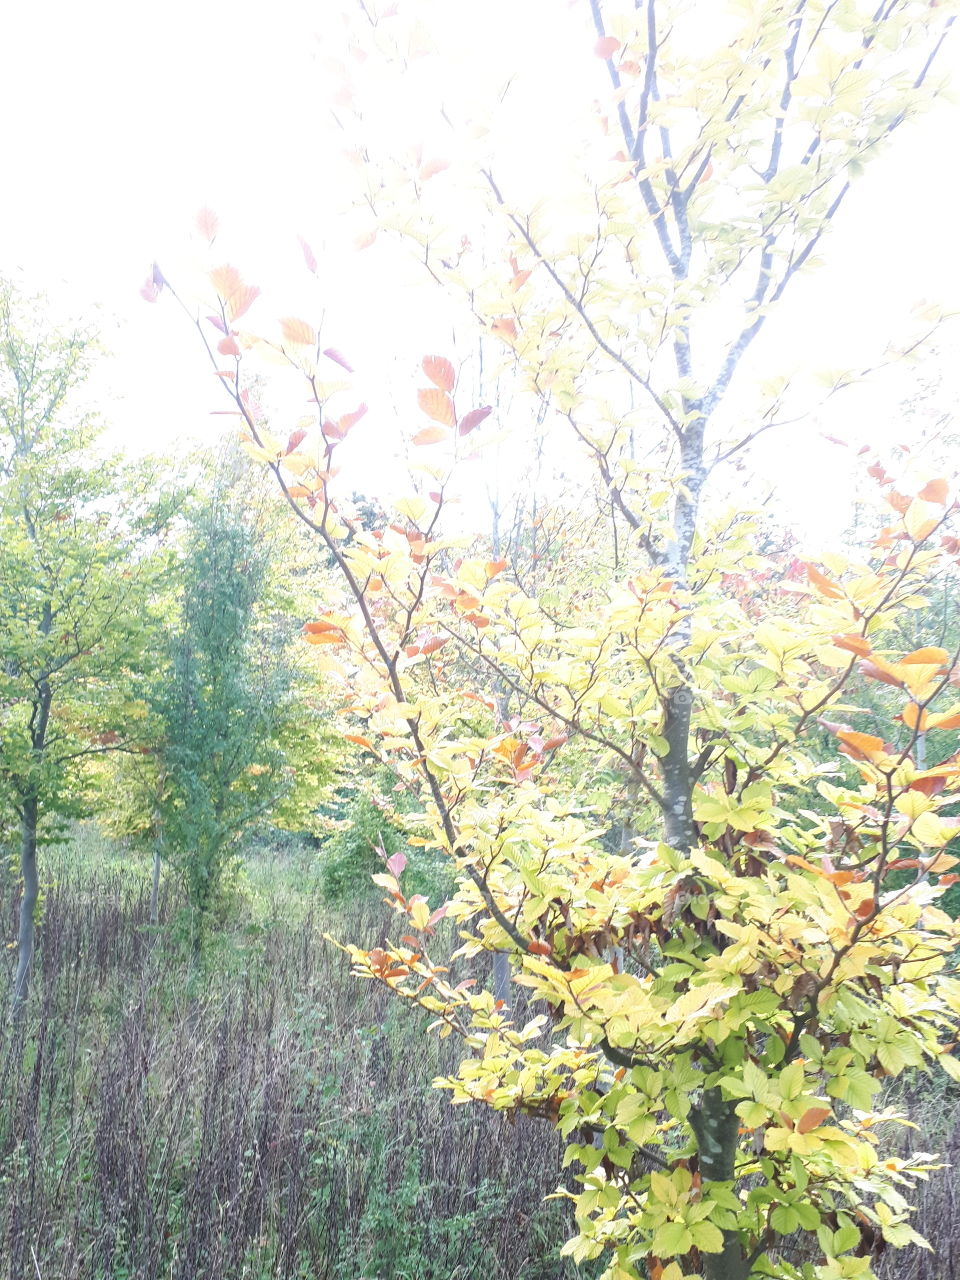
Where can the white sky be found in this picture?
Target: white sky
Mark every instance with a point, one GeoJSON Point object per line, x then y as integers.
{"type": "Point", "coordinates": [121, 120]}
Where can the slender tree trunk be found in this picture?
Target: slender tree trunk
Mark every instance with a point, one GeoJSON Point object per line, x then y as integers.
{"type": "Point", "coordinates": [501, 977]}
{"type": "Point", "coordinates": [28, 905]}
{"type": "Point", "coordinates": [155, 888]}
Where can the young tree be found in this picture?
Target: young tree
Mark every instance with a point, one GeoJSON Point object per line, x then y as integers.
{"type": "Point", "coordinates": [723, 997]}
{"type": "Point", "coordinates": [226, 706]}
{"type": "Point", "coordinates": [73, 576]}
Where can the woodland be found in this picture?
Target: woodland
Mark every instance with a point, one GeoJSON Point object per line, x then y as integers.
{"type": "Point", "coordinates": [457, 825]}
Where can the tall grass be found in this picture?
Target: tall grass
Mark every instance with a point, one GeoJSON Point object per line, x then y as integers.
{"type": "Point", "coordinates": [274, 1121]}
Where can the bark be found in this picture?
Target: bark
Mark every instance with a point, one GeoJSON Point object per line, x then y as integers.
{"type": "Point", "coordinates": [501, 977]}
{"type": "Point", "coordinates": [26, 936]}
{"type": "Point", "coordinates": [716, 1126]}
{"type": "Point", "coordinates": [155, 888]}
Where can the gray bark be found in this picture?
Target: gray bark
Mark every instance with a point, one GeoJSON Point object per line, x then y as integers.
{"type": "Point", "coordinates": [716, 1126]}
{"type": "Point", "coordinates": [155, 889]}
{"type": "Point", "coordinates": [501, 977]}
{"type": "Point", "coordinates": [26, 936]}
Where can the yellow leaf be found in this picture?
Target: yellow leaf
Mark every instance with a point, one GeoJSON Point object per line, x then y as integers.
{"type": "Point", "coordinates": [437, 404]}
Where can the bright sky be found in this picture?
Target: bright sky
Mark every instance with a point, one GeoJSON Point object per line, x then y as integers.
{"type": "Point", "coordinates": [122, 121]}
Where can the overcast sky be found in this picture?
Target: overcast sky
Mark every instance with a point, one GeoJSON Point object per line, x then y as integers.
{"type": "Point", "coordinates": [121, 121]}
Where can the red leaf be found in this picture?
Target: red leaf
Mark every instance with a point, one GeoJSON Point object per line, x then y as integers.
{"type": "Point", "coordinates": [473, 419]}
{"type": "Point", "coordinates": [308, 255]}
{"type": "Point", "coordinates": [437, 404]}
{"type": "Point", "coordinates": [396, 863]}
{"type": "Point", "coordinates": [208, 224]}
{"type": "Point", "coordinates": [332, 354]}
{"type": "Point", "coordinates": [440, 372]}
{"type": "Point", "coordinates": [218, 323]}
{"type": "Point", "coordinates": [228, 346]}
{"type": "Point", "coordinates": [551, 744]}
{"type": "Point", "coordinates": [606, 47]}
{"type": "Point", "coordinates": [539, 948]}
{"type": "Point", "coordinates": [812, 1119]}
{"type": "Point", "coordinates": [296, 437]}
{"type": "Point", "coordinates": [150, 290]}
{"type": "Point", "coordinates": [433, 644]}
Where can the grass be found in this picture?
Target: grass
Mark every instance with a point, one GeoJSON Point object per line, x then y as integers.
{"type": "Point", "coordinates": [275, 1121]}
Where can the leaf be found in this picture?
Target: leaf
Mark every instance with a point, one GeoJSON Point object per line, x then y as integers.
{"type": "Point", "coordinates": [505, 327]}
{"type": "Point", "coordinates": [473, 419]}
{"type": "Point", "coordinates": [431, 167]}
{"type": "Point", "coordinates": [493, 567]}
{"type": "Point", "coordinates": [437, 404]}
{"type": "Point", "coordinates": [606, 47]}
{"type": "Point", "coordinates": [308, 255]}
{"type": "Point", "coordinates": [862, 746]}
{"type": "Point", "coordinates": [440, 372]}
{"type": "Point", "coordinates": [935, 491]}
{"type": "Point", "coordinates": [396, 862]}
{"type": "Point", "coordinates": [824, 585]}
{"type": "Point", "coordinates": [299, 332]}
{"type": "Point", "coordinates": [430, 435]}
{"type": "Point", "coordinates": [932, 657]}
{"type": "Point", "coordinates": [853, 643]}
{"type": "Point", "coordinates": [228, 346]}
{"type": "Point", "coordinates": [360, 741]}
{"type": "Point", "coordinates": [208, 224]}
{"type": "Point", "coordinates": [332, 354]}
{"type": "Point", "coordinates": [812, 1119]}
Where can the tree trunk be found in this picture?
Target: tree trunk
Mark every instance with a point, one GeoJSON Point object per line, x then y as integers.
{"type": "Point", "coordinates": [501, 977]}
{"type": "Point", "coordinates": [28, 905]}
{"type": "Point", "coordinates": [155, 888]}
{"type": "Point", "coordinates": [715, 1127]}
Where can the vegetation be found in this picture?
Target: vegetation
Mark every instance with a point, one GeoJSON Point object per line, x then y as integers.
{"type": "Point", "coordinates": [648, 812]}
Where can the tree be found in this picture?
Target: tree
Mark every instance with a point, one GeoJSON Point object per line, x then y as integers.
{"type": "Point", "coordinates": [74, 573]}
{"type": "Point", "coordinates": [723, 997]}
{"type": "Point", "coordinates": [225, 706]}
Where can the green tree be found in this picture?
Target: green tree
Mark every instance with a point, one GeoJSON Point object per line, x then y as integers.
{"type": "Point", "coordinates": [222, 705]}
{"type": "Point", "coordinates": [74, 575]}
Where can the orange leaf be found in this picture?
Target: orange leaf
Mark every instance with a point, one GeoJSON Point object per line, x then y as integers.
{"type": "Point", "coordinates": [930, 657]}
{"type": "Point", "coordinates": [826, 586]}
{"type": "Point", "coordinates": [935, 491]}
{"type": "Point", "coordinates": [493, 567]}
{"type": "Point", "coordinates": [505, 327]}
{"type": "Point", "coordinates": [606, 47]}
{"type": "Point", "coordinates": [853, 643]}
{"type": "Point", "coordinates": [242, 301]}
{"type": "Point", "coordinates": [812, 1119]}
{"type": "Point", "coordinates": [539, 948]}
{"type": "Point", "coordinates": [325, 637]}
{"type": "Point", "coordinates": [881, 671]}
{"type": "Point", "coordinates": [474, 418]}
{"type": "Point", "coordinates": [431, 435]}
{"type": "Point", "coordinates": [226, 280]}
{"type": "Point", "coordinates": [440, 372]}
{"type": "Point", "coordinates": [360, 741]}
{"type": "Point", "coordinates": [437, 404]}
{"type": "Point", "coordinates": [865, 908]}
{"type": "Point", "coordinates": [298, 332]}
{"type": "Point", "coordinates": [862, 746]}
{"type": "Point", "coordinates": [945, 721]}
